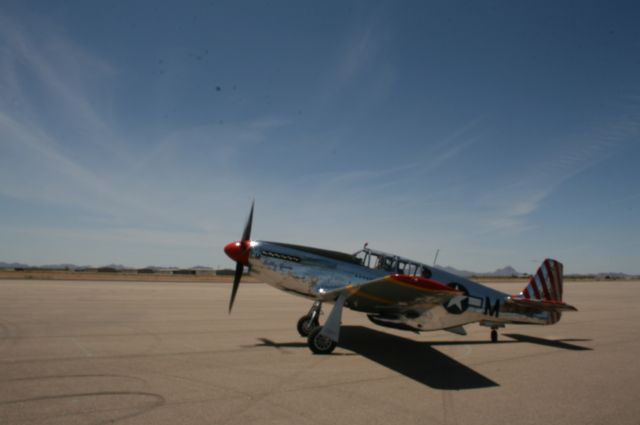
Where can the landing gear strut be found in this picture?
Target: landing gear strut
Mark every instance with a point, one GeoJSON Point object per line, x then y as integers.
{"type": "Point", "coordinates": [310, 321]}
{"type": "Point", "coordinates": [323, 339]}
{"type": "Point", "coordinates": [494, 335]}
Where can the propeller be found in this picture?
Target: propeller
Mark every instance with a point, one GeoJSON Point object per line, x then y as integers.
{"type": "Point", "coordinates": [239, 252]}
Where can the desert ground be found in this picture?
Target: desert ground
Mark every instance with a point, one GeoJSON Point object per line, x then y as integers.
{"type": "Point", "coordinates": [94, 352]}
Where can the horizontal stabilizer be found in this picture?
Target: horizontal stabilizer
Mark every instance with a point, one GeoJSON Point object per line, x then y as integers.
{"type": "Point", "coordinates": [458, 330]}
{"type": "Point", "coordinates": [540, 305]}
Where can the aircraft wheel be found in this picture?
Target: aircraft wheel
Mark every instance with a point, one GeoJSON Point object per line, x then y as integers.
{"type": "Point", "coordinates": [494, 335]}
{"type": "Point", "coordinates": [306, 325]}
{"type": "Point", "coordinates": [320, 344]}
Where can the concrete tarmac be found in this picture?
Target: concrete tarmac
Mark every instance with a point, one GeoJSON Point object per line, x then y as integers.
{"type": "Point", "coordinates": [168, 353]}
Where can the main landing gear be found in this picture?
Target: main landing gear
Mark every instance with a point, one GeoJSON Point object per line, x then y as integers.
{"type": "Point", "coordinates": [322, 339]}
{"type": "Point", "coordinates": [310, 321]}
{"type": "Point", "coordinates": [309, 327]}
{"type": "Point", "coordinates": [319, 343]}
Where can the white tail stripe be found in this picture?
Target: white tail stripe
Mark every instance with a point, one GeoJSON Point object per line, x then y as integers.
{"type": "Point", "coordinates": [539, 286]}
{"type": "Point", "coordinates": [548, 281]}
{"type": "Point", "coordinates": [545, 284]}
{"type": "Point", "coordinates": [533, 288]}
{"type": "Point", "coordinates": [558, 275]}
{"type": "Point", "coordinates": [554, 279]}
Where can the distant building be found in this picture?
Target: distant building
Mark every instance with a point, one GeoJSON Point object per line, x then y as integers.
{"type": "Point", "coordinates": [184, 271]}
{"type": "Point", "coordinates": [107, 270]}
{"type": "Point", "coordinates": [146, 270]}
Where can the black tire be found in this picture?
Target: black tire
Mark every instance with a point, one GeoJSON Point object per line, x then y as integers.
{"type": "Point", "coordinates": [320, 344]}
{"type": "Point", "coordinates": [494, 336]}
{"type": "Point", "coordinates": [305, 325]}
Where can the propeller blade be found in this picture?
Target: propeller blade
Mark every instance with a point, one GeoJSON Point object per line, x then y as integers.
{"type": "Point", "coordinates": [236, 284]}
{"type": "Point", "coordinates": [240, 251]}
{"type": "Point", "coordinates": [246, 235]}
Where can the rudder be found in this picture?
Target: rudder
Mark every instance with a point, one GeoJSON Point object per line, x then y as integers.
{"type": "Point", "coordinates": [546, 283]}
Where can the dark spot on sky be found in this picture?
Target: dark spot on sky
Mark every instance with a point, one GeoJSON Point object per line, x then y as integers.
{"type": "Point", "coordinates": [218, 88]}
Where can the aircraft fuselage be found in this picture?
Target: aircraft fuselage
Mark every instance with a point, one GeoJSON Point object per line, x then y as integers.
{"type": "Point", "coordinates": [310, 272]}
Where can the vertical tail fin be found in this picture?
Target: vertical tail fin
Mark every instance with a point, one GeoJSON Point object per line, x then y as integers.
{"type": "Point", "coordinates": [546, 284]}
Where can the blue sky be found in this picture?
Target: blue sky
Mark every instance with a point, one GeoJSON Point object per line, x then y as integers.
{"type": "Point", "coordinates": [500, 132]}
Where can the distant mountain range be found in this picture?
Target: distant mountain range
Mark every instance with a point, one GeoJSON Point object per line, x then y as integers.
{"type": "Point", "coordinates": [65, 266]}
{"type": "Point", "coordinates": [509, 271]}
{"type": "Point", "coordinates": [506, 271]}
{"type": "Point", "coordinates": [4, 265]}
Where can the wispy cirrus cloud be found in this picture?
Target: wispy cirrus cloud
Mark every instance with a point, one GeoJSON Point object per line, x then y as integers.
{"type": "Point", "coordinates": [359, 49]}
{"type": "Point", "coordinates": [50, 79]}
{"type": "Point", "coordinates": [356, 64]}
{"type": "Point", "coordinates": [47, 114]}
{"type": "Point", "coordinates": [61, 146]}
{"type": "Point", "coordinates": [510, 205]}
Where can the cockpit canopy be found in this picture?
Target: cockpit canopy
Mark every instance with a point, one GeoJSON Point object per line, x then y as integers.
{"type": "Point", "coordinates": [391, 263]}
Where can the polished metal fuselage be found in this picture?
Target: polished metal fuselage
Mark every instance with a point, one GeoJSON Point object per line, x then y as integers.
{"type": "Point", "coordinates": [311, 272]}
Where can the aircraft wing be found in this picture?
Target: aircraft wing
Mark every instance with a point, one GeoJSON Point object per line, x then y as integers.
{"type": "Point", "coordinates": [538, 305]}
{"type": "Point", "coordinates": [393, 293]}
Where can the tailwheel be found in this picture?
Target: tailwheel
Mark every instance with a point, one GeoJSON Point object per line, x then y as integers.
{"type": "Point", "coordinates": [320, 344]}
{"type": "Point", "coordinates": [306, 324]}
{"type": "Point", "coordinates": [494, 335]}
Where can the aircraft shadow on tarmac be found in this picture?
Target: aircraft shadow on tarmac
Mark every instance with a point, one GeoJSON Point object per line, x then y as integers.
{"type": "Point", "coordinates": [556, 343]}
{"type": "Point", "coordinates": [418, 360]}
{"type": "Point", "coordinates": [414, 359]}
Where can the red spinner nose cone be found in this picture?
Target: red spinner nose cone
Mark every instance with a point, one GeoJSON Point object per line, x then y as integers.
{"type": "Point", "coordinates": [238, 251]}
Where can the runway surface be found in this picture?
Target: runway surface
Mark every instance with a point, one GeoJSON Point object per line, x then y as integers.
{"type": "Point", "coordinates": [168, 353]}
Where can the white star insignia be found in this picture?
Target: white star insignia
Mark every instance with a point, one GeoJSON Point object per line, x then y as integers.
{"type": "Point", "coordinates": [457, 301]}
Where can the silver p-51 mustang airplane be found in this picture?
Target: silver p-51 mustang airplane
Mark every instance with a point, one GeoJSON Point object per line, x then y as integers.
{"type": "Point", "coordinates": [393, 291]}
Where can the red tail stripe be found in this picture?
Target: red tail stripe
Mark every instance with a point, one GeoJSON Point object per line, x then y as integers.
{"type": "Point", "coordinates": [551, 268]}
{"type": "Point", "coordinates": [560, 277]}
{"type": "Point", "coordinates": [534, 286]}
{"type": "Point", "coordinates": [525, 293]}
{"type": "Point", "coordinates": [543, 283]}
{"type": "Point", "coordinates": [553, 289]}
{"type": "Point", "coordinates": [558, 273]}
{"type": "Point", "coordinates": [557, 283]}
